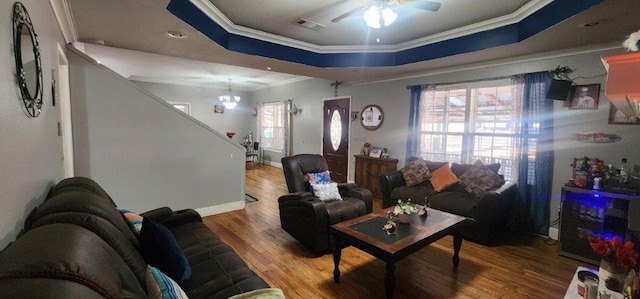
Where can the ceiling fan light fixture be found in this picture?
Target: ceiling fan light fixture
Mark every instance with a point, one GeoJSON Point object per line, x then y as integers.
{"type": "Point", "coordinates": [388, 16]}
{"type": "Point", "coordinates": [372, 17]}
{"type": "Point", "coordinates": [229, 100]}
{"type": "Point", "coordinates": [376, 17]}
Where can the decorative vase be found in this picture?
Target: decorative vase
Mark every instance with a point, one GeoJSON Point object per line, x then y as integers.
{"type": "Point", "coordinates": [612, 274]}
{"type": "Point", "coordinates": [404, 218]}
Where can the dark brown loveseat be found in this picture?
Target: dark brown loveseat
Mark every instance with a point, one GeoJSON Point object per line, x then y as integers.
{"type": "Point", "coordinates": [490, 210]}
{"type": "Point", "coordinates": [77, 244]}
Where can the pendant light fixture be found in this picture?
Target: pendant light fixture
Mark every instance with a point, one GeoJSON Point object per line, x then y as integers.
{"type": "Point", "coordinates": [229, 100]}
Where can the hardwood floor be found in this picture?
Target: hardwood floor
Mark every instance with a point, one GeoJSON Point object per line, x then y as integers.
{"type": "Point", "coordinates": [524, 266]}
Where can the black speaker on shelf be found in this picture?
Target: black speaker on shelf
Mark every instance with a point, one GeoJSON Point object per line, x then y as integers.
{"type": "Point", "coordinates": [559, 89]}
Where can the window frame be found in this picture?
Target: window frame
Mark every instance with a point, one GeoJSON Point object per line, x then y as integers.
{"type": "Point", "coordinates": [469, 137]}
{"type": "Point", "coordinates": [279, 145]}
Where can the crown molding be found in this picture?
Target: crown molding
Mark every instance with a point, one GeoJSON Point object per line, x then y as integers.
{"type": "Point", "coordinates": [217, 16]}
{"type": "Point", "coordinates": [62, 11]}
{"type": "Point", "coordinates": [174, 81]}
{"type": "Point", "coordinates": [515, 17]}
{"type": "Point", "coordinates": [498, 62]}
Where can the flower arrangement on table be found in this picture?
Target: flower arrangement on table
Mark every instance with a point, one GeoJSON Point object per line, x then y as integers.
{"type": "Point", "coordinates": [404, 207]}
{"type": "Point", "coordinates": [617, 258]}
{"type": "Point", "coordinates": [401, 212]}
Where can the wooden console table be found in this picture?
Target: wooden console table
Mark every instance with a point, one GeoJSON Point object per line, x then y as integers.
{"type": "Point", "coordinates": [368, 170]}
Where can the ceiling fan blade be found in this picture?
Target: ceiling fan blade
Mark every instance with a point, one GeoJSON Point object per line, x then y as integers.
{"type": "Point", "coordinates": [346, 14]}
{"type": "Point", "coordinates": [422, 4]}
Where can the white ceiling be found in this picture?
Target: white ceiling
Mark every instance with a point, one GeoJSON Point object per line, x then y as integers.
{"type": "Point", "coordinates": [136, 44]}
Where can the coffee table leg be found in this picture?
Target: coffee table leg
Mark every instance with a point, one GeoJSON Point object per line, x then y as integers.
{"type": "Point", "coordinates": [457, 243]}
{"type": "Point", "coordinates": [337, 252]}
{"type": "Point", "coordinates": [390, 279]}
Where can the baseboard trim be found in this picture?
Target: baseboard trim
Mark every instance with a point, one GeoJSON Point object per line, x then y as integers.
{"type": "Point", "coordinates": [219, 209]}
{"type": "Point", "coordinates": [553, 233]}
{"type": "Point", "coordinates": [271, 163]}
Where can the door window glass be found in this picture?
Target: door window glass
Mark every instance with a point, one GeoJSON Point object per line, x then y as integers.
{"type": "Point", "coordinates": [336, 130]}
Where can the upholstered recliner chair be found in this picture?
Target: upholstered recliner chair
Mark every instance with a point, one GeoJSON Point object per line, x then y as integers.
{"type": "Point", "coordinates": [305, 216]}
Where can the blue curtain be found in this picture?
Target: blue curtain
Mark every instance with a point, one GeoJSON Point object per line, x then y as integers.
{"type": "Point", "coordinates": [535, 176]}
{"type": "Point", "coordinates": [414, 122]}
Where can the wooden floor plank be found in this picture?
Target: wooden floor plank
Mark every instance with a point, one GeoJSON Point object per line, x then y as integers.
{"type": "Point", "coordinates": [523, 266]}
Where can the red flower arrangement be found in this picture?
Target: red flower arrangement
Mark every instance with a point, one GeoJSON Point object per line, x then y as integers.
{"type": "Point", "coordinates": [614, 249]}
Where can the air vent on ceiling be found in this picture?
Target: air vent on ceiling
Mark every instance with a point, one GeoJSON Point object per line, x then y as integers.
{"type": "Point", "coordinates": [309, 24]}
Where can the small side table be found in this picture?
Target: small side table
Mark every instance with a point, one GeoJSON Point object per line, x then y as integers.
{"type": "Point", "coordinates": [572, 291]}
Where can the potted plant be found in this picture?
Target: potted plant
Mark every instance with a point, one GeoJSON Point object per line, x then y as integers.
{"type": "Point", "coordinates": [404, 210]}
{"type": "Point", "coordinates": [617, 259]}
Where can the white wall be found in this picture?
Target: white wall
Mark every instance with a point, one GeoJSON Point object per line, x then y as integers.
{"type": "Point", "coordinates": [145, 153]}
{"type": "Point", "coordinates": [393, 97]}
{"type": "Point", "coordinates": [202, 101]}
{"type": "Point", "coordinates": [30, 148]}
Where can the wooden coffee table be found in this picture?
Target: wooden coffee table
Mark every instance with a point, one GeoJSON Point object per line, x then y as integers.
{"type": "Point", "coordinates": [365, 233]}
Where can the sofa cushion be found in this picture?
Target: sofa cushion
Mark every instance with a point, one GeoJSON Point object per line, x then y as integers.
{"type": "Point", "coordinates": [416, 193]}
{"type": "Point", "coordinates": [326, 191]}
{"type": "Point", "coordinates": [459, 203]}
{"type": "Point", "coordinates": [442, 178]}
{"type": "Point", "coordinates": [479, 179]}
{"type": "Point", "coordinates": [218, 271]}
{"type": "Point", "coordinates": [415, 172]}
{"type": "Point", "coordinates": [460, 169]}
{"type": "Point", "coordinates": [433, 166]}
{"type": "Point", "coordinates": [160, 249]}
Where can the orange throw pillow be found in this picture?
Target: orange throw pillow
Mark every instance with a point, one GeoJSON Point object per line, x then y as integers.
{"type": "Point", "coordinates": [442, 178]}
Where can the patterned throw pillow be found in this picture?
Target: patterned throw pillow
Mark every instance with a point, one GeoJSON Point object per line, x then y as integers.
{"type": "Point", "coordinates": [480, 179]}
{"type": "Point", "coordinates": [442, 178]}
{"type": "Point", "coordinates": [326, 191]}
{"type": "Point", "coordinates": [135, 220]}
{"type": "Point", "coordinates": [319, 177]}
{"type": "Point", "coordinates": [415, 172]}
{"type": "Point", "coordinates": [162, 286]}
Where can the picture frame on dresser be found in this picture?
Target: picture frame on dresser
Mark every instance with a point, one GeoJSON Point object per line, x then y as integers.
{"type": "Point", "coordinates": [375, 152]}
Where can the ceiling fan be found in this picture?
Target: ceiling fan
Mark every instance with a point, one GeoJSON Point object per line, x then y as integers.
{"type": "Point", "coordinates": [381, 4]}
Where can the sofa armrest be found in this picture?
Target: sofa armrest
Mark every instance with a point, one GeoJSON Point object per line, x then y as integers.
{"type": "Point", "coordinates": [179, 217]}
{"type": "Point", "coordinates": [497, 204]}
{"type": "Point", "coordinates": [352, 190]}
{"type": "Point", "coordinates": [295, 196]}
{"type": "Point", "coordinates": [158, 214]}
{"type": "Point", "coordinates": [388, 182]}
{"type": "Point", "coordinates": [306, 219]}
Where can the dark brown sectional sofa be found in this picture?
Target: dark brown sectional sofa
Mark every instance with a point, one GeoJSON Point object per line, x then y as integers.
{"type": "Point", "coordinates": [77, 244]}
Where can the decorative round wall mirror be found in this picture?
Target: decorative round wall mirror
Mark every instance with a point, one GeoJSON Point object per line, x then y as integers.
{"type": "Point", "coordinates": [371, 117]}
{"type": "Point", "coordinates": [27, 56]}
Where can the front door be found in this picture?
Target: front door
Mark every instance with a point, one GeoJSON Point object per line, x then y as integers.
{"type": "Point", "coordinates": [335, 137]}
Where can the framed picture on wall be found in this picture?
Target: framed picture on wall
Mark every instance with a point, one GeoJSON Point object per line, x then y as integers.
{"type": "Point", "coordinates": [616, 117]}
{"type": "Point", "coordinates": [218, 109]}
{"type": "Point", "coordinates": [585, 97]}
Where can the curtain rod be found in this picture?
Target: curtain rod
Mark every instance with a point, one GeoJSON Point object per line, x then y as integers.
{"type": "Point", "coordinates": [465, 81]}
